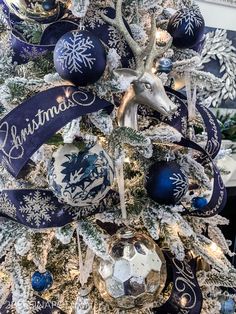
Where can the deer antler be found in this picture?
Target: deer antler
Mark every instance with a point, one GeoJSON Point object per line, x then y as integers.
{"type": "Point", "coordinates": [150, 52]}
{"type": "Point", "coordinates": [119, 24]}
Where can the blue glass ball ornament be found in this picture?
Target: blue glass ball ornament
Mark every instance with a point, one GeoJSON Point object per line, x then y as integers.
{"type": "Point", "coordinates": [165, 65]}
{"type": "Point", "coordinates": [80, 57]}
{"type": "Point", "coordinates": [199, 202]}
{"type": "Point", "coordinates": [42, 281]}
{"type": "Point", "coordinates": [49, 5]}
{"type": "Point", "coordinates": [80, 177]}
{"type": "Point", "coordinates": [166, 183]}
{"type": "Point", "coordinates": [186, 27]}
{"type": "Point", "coordinates": [228, 307]}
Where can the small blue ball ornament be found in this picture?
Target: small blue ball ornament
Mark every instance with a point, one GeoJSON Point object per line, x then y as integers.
{"type": "Point", "coordinates": [80, 57]}
{"type": "Point", "coordinates": [186, 27]}
{"type": "Point", "coordinates": [199, 202]}
{"type": "Point", "coordinates": [228, 307]}
{"type": "Point", "coordinates": [49, 5]}
{"type": "Point", "coordinates": [166, 183]}
{"type": "Point", "coordinates": [165, 65]}
{"type": "Point", "coordinates": [41, 281]}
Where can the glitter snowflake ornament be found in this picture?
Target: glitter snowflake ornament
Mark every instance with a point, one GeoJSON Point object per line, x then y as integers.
{"type": "Point", "coordinates": [166, 183]}
{"type": "Point", "coordinates": [186, 27]}
{"type": "Point", "coordinates": [81, 178]}
{"type": "Point", "coordinates": [79, 57]}
{"type": "Point", "coordinates": [136, 272]}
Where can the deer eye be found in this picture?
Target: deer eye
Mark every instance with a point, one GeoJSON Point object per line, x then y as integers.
{"type": "Point", "coordinates": [148, 86]}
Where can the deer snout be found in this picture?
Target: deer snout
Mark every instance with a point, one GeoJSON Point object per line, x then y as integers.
{"type": "Point", "coordinates": [168, 108]}
{"type": "Point", "coordinates": [173, 107]}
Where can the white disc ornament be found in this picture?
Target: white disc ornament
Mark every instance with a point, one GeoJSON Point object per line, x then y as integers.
{"type": "Point", "coordinates": [136, 272]}
{"type": "Point", "coordinates": [80, 178]}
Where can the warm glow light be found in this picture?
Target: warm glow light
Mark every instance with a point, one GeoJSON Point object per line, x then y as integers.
{"type": "Point", "coordinates": [154, 70]}
{"type": "Point", "coordinates": [67, 93]}
{"type": "Point", "coordinates": [183, 301]}
{"type": "Point", "coordinates": [215, 248]}
{"type": "Point", "coordinates": [60, 99]}
{"type": "Point", "coordinates": [127, 159]}
{"type": "Point", "coordinates": [162, 37]}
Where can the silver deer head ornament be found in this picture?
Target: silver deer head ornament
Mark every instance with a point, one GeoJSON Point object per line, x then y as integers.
{"type": "Point", "coordinates": [146, 87]}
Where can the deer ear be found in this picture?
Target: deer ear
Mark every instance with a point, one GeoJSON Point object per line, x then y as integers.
{"type": "Point", "coordinates": [128, 74]}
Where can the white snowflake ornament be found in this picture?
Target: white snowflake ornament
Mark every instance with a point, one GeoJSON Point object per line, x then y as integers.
{"type": "Point", "coordinates": [80, 57]}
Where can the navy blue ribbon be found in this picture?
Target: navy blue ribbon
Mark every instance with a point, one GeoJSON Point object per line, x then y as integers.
{"type": "Point", "coordinates": [179, 122]}
{"type": "Point", "coordinates": [212, 127]}
{"type": "Point", "coordinates": [35, 121]}
{"type": "Point", "coordinates": [186, 296]}
{"type": "Point", "coordinates": [218, 198]}
{"type": "Point", "coordinates": [40, 209]}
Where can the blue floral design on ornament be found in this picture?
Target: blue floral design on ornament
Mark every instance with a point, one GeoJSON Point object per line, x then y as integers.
{"type": "Point", "coordinates": [88, 172]}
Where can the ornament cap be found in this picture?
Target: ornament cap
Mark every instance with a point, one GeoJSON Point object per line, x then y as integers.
{"type": "Point", "coordinates": [125, 233]}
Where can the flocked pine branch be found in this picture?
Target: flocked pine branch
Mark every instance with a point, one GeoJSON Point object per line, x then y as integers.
{"type": "Point", "coordinates": [124, 135]}
{"type": "Point", "coordinates": [163, 133]}
{"type": "Point", "coordinates": [9, 233]}
{"type": "Point", "coordinates": [211, 253]}
{"type": "Point", "coordinates": [102, 121]}
{"type": "Point", "coordinates": [22, 293]}
{"type": "Point", "coordinates": [216, 235]}
{"type": "Point", "coordinates": [150, 223]}
{"type": "Point", "coordinates": [184, 65]}
{"type": "Point", "coordinates": [217, 279]}
{"type": "Point", "coordinates": [94, 238]}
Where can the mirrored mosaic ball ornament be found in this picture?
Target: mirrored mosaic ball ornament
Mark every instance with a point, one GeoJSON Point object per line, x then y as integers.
{"type": "Point", "coordinates": [80, 57]}
{"type": "Point", "coordinates": [166, 183]}
{"type": "Point", "coordinates": [80, 178]}
{"type": "Point", "coordinates": [42, 281]}
{"type": "Point", "coordinates": [135, 274]}
{"type": "Point", "coordinates": [41, 11]}
{"type": "Point", "coordinates": [186, 27]}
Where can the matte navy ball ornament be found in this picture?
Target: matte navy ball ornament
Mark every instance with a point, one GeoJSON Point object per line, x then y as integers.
{"type": "Point", "coordinates": [41, 281]}
{"type": "Point", "coordinates": [186, 27]}
{"type": "Point", "coordinates": [165, 65]}
{"type": "Point", "coordinates": [79, 57]}
{"type": "Point", "coordinates": [199, 202]}
{"type": "Point", "coordinates": [228, 307]}
{"type": "Point", "coordinates": [166, 183]}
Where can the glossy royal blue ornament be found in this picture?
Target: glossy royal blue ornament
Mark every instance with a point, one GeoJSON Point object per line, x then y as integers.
{"type": "Point", "coordinates": [80, 57]}
{"type": "Point", "coordinates": [41, 281]}
{"type": "Point", "coordinates": [165, 65]}
{"type": "Point", "coordinates": [166, 183]}
{"type": "Point", "coordinates": [228, 307]}
{"type": "Point", "coordinates": [199, 202]}
{"type": "Point", "coordinates": [186, 27]}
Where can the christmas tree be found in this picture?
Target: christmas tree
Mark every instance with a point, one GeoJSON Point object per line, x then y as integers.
{"type": "Point", "coordinates": [110, 191]}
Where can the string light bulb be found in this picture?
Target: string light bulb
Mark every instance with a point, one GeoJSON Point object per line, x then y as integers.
{"type": "Point", "coordinates": [183, 301]}
{"type": "Point", "coordinates": [162, 37]}
{"type": "Point", "coordinates": [215, 249]}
